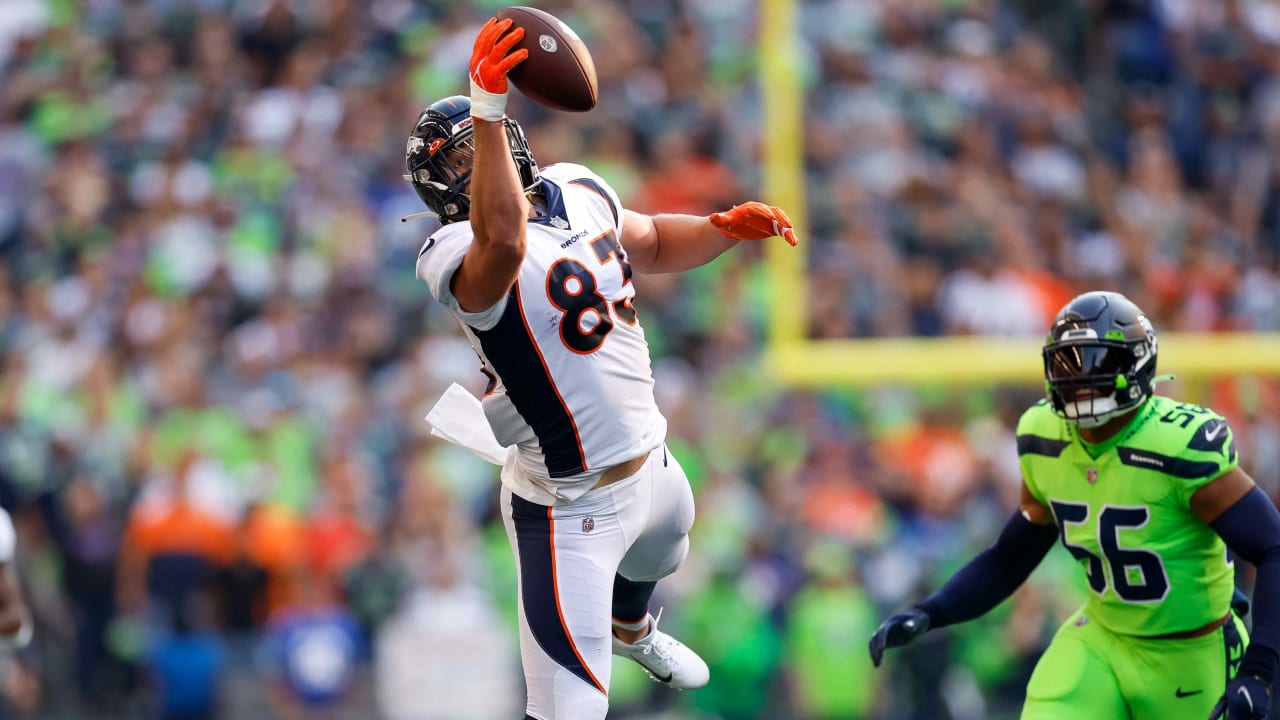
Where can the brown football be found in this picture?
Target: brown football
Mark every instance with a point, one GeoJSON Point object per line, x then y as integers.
{"type": "Point", "coordinates": [559, 71]}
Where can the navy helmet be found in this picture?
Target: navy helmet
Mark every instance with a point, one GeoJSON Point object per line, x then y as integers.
{"type": "Point", "coordinates": [440, 152]}
{"type": "Point", "coordinates": [1099, 358]}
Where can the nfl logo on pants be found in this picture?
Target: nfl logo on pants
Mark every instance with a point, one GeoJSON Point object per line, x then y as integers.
{"type": "Point", "coordinates": [588, 524]}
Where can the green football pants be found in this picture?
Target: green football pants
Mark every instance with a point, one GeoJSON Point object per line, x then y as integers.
{"type": "Point", "coordinates": [1091, 672]}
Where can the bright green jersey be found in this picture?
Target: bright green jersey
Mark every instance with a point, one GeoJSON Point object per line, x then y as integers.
{"type": "Point", "coordinates": [1123, 510]}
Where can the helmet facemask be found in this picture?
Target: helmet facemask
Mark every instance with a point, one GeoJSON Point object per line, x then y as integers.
{"type": "Point", "coordinates": [443, 179]}
{"type": "Point", "coordinates": [1091, 383]}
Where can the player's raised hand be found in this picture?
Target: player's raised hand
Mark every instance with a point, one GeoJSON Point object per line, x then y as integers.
{"type": "Point", "coordinates": [1246, 698]}
{"type": "Point", "coordinates": [491, 60]}
{"type": "Point", "coordinates": [900, 629]}
{"type": "Point", "coordinates": [754, 221]}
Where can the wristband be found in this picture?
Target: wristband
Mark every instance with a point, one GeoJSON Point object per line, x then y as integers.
{"type": "Point", "coordinates": [488, 106]}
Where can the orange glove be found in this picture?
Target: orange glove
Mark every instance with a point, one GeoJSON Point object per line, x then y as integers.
{"type": "Point", "coordinates": [754, 221]}
{"type": "Point", "coordinates": [491, 60]}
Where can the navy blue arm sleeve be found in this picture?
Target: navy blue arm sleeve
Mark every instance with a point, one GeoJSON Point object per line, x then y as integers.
{"type": "Point", "coordinates": [1251, 528]}
{"type": "Point", "coordinates": [993, 575]}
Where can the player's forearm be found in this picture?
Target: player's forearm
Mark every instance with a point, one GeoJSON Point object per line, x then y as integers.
{"type": "Point", "coordinates": [499, 209]}
{"type": "Point", "coordinates": [1251, 528]}
{"type": "Point", "coordinates": [683, 242]}
{"type": "Point", "coordinates": [993, 575]}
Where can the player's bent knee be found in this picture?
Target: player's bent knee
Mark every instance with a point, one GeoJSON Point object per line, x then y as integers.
{"type": "Point", "coordinates": [647, 570]}
{"type": "Point", "coordinates": [676, 559]}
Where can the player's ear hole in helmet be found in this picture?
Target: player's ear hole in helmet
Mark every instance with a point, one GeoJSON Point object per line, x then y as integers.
{"type": "Point", "coordinates": [440, 151]}
{"type": "Point", "coordinates": [1099, 358]}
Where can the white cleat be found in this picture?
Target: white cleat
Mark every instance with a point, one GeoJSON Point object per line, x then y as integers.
{"type": "Point", "coordinates": [666, 659]}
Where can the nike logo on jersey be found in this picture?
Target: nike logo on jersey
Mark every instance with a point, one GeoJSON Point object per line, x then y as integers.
{"type": "Point", "coordinates": [431, 241]}
{"type": "Point", "coordinates": [1211, 437]}
{"type": "Point", "coordinates": [1182, 694]}
{"type": "Point", "coordinates": [1212, 434]}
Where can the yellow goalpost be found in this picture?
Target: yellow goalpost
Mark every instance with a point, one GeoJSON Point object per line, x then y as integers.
{"type": "Point", "coordinates": [794, 359]}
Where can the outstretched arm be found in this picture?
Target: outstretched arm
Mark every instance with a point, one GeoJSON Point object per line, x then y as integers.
{"type": "Point", "coordinates": [672, 243]}
{"type": "Point", "coordinates": [499, 209]}
{"type": "Point", "coordinates": [980, 585]}
{"type": "Point", "coordinates": [1247, 521]}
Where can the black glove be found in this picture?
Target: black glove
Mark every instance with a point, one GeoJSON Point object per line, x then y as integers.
{"type": "Point", "coordinates": [1247, 698]}
{"type": "Point", "coordinates": [900, 629]}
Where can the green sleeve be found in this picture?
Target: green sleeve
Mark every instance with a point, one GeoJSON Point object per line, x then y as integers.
{"type": "Point", "coordinates": [1038, 439]}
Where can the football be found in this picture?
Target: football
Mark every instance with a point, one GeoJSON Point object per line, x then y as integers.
{"type": "Point", "coordinates": [559, 71]}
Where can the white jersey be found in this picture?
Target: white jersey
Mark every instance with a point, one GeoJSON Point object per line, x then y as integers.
{"type": "Point", "coordinates": [571, 385]}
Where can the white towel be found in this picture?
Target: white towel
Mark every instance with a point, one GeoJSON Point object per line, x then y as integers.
{"type": "Point", "coordinates": [459, 418]}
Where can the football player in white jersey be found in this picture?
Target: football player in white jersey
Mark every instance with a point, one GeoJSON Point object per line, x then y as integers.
{"type": "Point", "coordinates": [536, 264]}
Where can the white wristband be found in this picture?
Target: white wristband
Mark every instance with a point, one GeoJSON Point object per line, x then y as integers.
{"type": "Point", "coordinates": [486, 105]}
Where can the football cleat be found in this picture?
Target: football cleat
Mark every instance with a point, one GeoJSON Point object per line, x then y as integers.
{"type": "Point", "coordinates": [666, 659]}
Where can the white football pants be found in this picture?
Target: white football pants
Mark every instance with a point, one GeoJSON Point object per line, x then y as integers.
{"type": "Point", "coordinates": [567, 556]}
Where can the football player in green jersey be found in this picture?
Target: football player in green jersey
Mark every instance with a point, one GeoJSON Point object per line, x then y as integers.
{"type": "Point", "coordinates": [1146, 493]}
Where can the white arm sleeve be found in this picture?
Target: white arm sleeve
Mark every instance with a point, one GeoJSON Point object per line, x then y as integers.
{"type": "Point", "coordinates": [439, 258]}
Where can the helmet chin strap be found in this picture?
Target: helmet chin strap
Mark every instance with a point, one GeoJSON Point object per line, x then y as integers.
{"type": "Point", "coordinates": [415, 216]}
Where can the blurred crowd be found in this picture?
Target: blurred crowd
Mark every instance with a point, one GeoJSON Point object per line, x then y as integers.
{"type": "Point", "coordinates": [215, 358]}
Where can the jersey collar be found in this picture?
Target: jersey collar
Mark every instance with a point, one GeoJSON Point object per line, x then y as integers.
{"type": "Point", "coordinates": [555, 213]}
